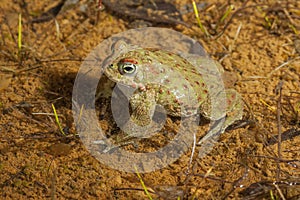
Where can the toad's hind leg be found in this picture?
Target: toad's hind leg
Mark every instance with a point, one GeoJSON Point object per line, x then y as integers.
{"type": "Point", "coordinates": [234, 111]}
{"type": "Point", "coordinates": [228, 107]}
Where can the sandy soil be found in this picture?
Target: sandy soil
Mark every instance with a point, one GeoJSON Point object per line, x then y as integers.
{"type": "Point", "coordinates": [258, 42]}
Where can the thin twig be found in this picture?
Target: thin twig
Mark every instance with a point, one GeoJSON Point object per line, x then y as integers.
{"type": "Point", "coordinates": [236, 183]}
{"type": "Point", "coordinates": [279, 90]}
{"type": "Point", "coordinates": [279, 191]}
{"type": "Point", "coordinates": [276, 69]}
{"type": "Point", "coordinates": [193, 152]}
{"type": "Point", "coordinates": [122, 10]}
{"type": "Point", "coordinates": [53, 181]}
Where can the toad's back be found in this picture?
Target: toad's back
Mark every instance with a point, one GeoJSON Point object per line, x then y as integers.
{"type": "Point", "coordinates": [173, 79]}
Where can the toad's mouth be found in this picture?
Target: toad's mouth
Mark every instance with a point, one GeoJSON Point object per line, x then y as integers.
{"type": "Point", "coordinates": [122, 80]}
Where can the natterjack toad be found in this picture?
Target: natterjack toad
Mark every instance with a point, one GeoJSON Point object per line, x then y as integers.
{"type": "Point", "coordinates": [183, 85]}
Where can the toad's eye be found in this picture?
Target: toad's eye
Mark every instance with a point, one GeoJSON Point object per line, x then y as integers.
{"type": "Point", "coordinates": [127, 68]}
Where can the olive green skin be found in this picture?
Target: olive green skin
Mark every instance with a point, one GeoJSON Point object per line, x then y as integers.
{"type": "Point", "coordinates": [183, 85]}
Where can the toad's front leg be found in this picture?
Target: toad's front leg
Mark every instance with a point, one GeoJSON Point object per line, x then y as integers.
{"type": "Point", "coordinates": [143, 106]}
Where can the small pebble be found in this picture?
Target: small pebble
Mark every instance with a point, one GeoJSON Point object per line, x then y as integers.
{"type": "Point", "coordinates": [59, 149]}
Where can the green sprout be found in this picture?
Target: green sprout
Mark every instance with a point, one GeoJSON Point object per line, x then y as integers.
{"type": "Point", "coordinates": [20, 33]}
{"type": "Point", "coordinates": [266, 18]}
{"type": "Point", "coordinates": [143, 184]}
{"type": "Point", "coordinates": [203, 29]}
{"type": "Point", "coordinates": [57, 121]}
{"type": "Point", "coordinates": [228, 11]}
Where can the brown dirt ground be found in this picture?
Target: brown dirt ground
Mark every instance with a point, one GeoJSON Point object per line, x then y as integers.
{"type": "Point", "coordinates": [38, 162]}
